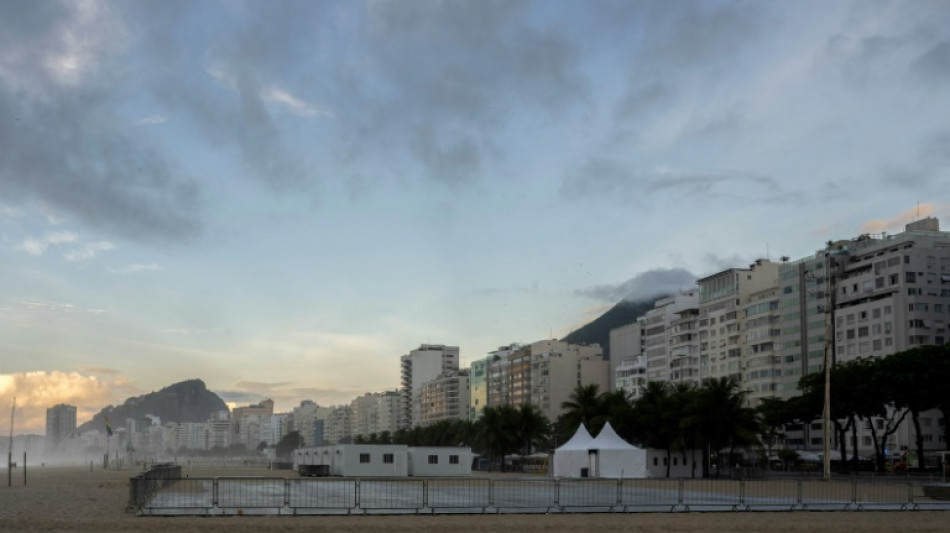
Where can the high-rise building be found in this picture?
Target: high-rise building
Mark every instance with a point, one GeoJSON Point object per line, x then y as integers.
{"type": "Point", "coordinates": [445, 398]}
{"type": "Point", "coordinates": [374, 412]}
{"type": "Point", "coordinates": [662, 345]}
{"type": "Point", "coordinates": [60, 424]}
{"type": "Point", "coordinates": [425, 363]}
{"type": "Point", "coordinates": [305, 418]}
{"type": "Point", "coordinates": [544, 374]}
{"type": "Point", "coordinates": [723, 297]}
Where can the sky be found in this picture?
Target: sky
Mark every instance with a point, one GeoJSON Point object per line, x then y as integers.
{"type": "Point", "coordinates": [281, 198]}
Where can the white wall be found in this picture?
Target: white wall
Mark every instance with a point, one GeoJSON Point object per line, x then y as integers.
{"type": "Point", "coordinates": [419, 464]}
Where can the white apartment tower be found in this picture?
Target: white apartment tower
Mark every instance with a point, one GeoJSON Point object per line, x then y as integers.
{"type": "Point", "coordinates": [445, 398]}
{"type": "Point", "coordinates": [424, 364]}
{"type": "Point", "coordinates": [723, 297]}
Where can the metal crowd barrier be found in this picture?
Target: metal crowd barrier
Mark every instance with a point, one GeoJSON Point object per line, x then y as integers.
{"type": "Point", "coordinates": [159, 494]}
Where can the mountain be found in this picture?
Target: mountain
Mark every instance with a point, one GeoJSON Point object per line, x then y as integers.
{"type": "Point", "coordinates": [598, 331]}
{"type": "Point", "coordinates": [187, 401]}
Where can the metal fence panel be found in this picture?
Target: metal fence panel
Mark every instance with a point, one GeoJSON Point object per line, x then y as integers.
{"type": "Point", "coordinates": [777, 494]}
{"type": "Point", "coordinates": [588, 493]}
{"type": "Point", "coordinates": [650, 494]}
{"type": "Point", "coordinates": [713, 494]}
{"type": "Point", "coordinates": [459, 493]}
{"type": "Point", "coordinates": [250, 492]}
{"type": "Point", "coordinates": [524, 493]}
{"type": "Point", "coordinates": [183, 494]}
{"type": "Point", "coordinates": [307, 493]}
{"type": "Point", "coordinates": [827, 494]}
{"type": "Point", "coordinates": [391, 494]}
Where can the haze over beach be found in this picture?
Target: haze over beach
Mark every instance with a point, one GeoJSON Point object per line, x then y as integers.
{"type": "Point", "coordinates": [283, 198]}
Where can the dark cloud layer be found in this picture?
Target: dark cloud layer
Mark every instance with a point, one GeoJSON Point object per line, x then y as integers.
{"type": "Point", "coordinates": [61, 144]}
{"type": "Point", "coordinates": [644, 285]}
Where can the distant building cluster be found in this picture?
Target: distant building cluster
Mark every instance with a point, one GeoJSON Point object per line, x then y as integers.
{"type": "Point", "coordinates": [765, 324]}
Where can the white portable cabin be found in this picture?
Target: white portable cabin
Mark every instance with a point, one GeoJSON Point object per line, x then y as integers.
{"type": "Point", "coordinates": [440, 461]}
{"type": "Point", "coordinates": [682, 464]}
{"type": "Point", "coordinates": [357, 460]}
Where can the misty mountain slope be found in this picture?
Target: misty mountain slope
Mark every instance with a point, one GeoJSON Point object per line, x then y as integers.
{"type": "Point", "coordinates": [598, 331]}
{"type": "Point", "coordinates": [187, 401]}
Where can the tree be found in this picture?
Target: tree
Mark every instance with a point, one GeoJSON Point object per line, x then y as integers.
{"type": "Point", "coordinates": [657, 425]}
{"type": "Point", "coordinates": [288, 443]}
{"type": "Point", "coordinates": [721, 418]}
{"type": "Point", "coordinates": [531, 427]}
{"type": "Point", "coordinates": [582, 407]}
{"type": "Point", "coordinates": [494, 435]}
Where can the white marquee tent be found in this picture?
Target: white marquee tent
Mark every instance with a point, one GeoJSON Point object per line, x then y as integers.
{"type": "Point", "coordinates": [607, 456]}
{"type": "Point", "coordinates": [571, 457]}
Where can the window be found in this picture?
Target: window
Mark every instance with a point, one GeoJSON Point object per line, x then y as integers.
{"type": "Point", "coordinates": [364, 457]}
{"type": "Point", "coordinates": [388, 458]}
{"type": "Point", "coordinates": [453, 459]}
{"type": "Point", "coordinates": [433, 459]}
{"type": "Point", "coordinates": [866, 441]}
{"type": "Point", "coordinates": [910, 277]}
{"type": "Point", "coordinates": [655, 461]}
{"type": "Point", "coordinates": [876, 313]}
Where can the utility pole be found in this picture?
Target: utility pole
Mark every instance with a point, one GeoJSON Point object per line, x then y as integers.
{"type": "Point", "coordinates": [10, 451]}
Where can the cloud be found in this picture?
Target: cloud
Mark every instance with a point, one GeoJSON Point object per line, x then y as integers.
{"type": "Point", "coordinates": [896, 224]}
{"type": "Point", "coordinates": [48, 306]}
{"type": "Point", "coordinates": [37, 391]}
{"type": "Point", "coordinates": [38, 246]}
{"type": "Point", "coordinates": [63, 144]}
{"type": "Point", "coordinates": [717, 263]}
{"type": "Point", "coordinates": [134, 268]}
{"type": "Point", "coordinates": [88, 251]}
{"type": "Point", "coordinates": [154, 119]}
{"type": "Point", "coordinates": [934, 64]}
{"type": "Point", "coordinates": [615, 179]}
{"type": "Point", "coordinates": [643, 286]}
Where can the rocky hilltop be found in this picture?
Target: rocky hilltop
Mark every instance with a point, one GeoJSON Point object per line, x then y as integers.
{"type": "Point", "coordinates": [187, 401]}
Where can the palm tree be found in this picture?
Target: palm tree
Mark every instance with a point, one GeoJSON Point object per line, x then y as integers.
{"type": "Point", "coordinates": [722, 420]}
{"type": "Point", "coordinates": [656, 426]}
{"type": "Point", "coordinates": [582, 407]}
{"type": "Point", "coordinates": [494, 433]}
{"type": "Point", "coordinates": [531, 427]}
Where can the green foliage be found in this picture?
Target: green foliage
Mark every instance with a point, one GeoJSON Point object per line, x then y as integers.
{"type": "Point", "coordinates": [288, 443]}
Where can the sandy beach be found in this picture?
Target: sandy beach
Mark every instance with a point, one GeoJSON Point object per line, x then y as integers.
{"type": "Point", "coordinates": [75, 499]}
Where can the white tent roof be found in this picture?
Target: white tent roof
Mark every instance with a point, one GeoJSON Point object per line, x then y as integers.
{"type": "Point", "coordinates": [609, 440]}
{"type": "Point", "coordinates": [579, 441]}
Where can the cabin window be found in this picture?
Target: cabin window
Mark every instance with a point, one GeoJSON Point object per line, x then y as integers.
{"type": "Point", "coordinates": [364, 457]}
{"type": "Point", "coordinates": [433, 459]}
{"type": "Point", "coordinates": [388, 458]}
{"type": "Point", "coordinates": [453, 459]}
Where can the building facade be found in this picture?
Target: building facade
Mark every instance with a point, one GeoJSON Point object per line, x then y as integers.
{"type": "Point", "coordinates": [424, 364]}
{"type": "Point", "coordinates": [60, 424]}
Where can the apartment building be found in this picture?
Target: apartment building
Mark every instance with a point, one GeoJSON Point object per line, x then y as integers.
{"type": "Point", "coordinates": [60, 424]}
{"type": "Point", "coordinates": [498, 372]}
{"type": "Point", "coordinates": [445, 398]}
{"type": "Point", "coordinates": [374, 412]}
{"type": "Point", "coordinates": [628, 367]}
{"type": "Point", "coordinates": [722, 299]}
{"type": "Point", "coordinates": [337, 426]}
{"type": "Point", "coordinates": [305, 417]}
{"type": "Point", "coordinates": [418, 367]}
{"type": "Point", "coordinates": [662, 345]}
{"type": "Point", "coordinates": [543, 374]}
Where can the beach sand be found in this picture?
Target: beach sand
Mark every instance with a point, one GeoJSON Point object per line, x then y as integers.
{"type": "Point", "coordinates": [75, 499]}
